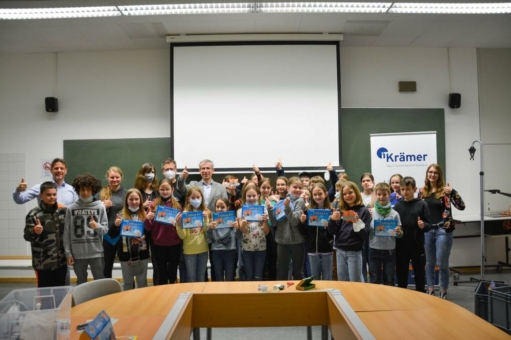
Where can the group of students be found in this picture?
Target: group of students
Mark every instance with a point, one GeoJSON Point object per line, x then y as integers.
{"type": "Point", "coordinates": [276, 247]}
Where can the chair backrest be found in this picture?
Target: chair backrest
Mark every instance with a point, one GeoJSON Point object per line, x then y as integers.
{"type": "Point", "coordinates": [94, 289]}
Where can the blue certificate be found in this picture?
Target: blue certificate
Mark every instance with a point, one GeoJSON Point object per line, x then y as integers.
{"type": "Point", "coordinates": [131, 228]}
{"type": "Point", "coordinates": [385, 228]}
{"type": "Point", "coordinates": [224, 219]}
{"type": "Point", "coordinates": [318, 217]}
{"type": "Point", "coordinates": [192, 219]}
{"type": "Point", "coordinates": [252, 213]}
{"type": "Point", "coordinates": [166, 215]}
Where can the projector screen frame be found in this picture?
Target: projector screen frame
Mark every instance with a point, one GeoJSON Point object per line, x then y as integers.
{"type": "Point", "coordinates": [193, 168]}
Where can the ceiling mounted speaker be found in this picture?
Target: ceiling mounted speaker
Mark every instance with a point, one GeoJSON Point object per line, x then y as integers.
{"type": "Point", "coordinates": [51, 104]}
{"type": "Point", "coordinates": [454, 100]}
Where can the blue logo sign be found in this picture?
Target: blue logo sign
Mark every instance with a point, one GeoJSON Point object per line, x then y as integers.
{"type": "Point", "coordinates": [391, 157]}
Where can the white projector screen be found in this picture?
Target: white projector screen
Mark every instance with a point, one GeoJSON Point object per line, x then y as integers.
{"type": "Point", "coordinates": [240, 104]}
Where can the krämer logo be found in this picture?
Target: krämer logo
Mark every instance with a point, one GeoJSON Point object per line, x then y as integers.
{"type": "Point", "coordinates": [390, 157]}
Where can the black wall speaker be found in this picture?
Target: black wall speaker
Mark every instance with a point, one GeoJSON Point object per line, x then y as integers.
{"type": "Point", "coordinates": [52, 104]}
{"type": "Point", "coordinates": [454, 100]}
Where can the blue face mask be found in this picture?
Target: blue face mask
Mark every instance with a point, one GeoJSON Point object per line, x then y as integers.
{"type": "Point", "coordinates": [86, 200]}
{"type": "Point", "coordinates": [196, 203]}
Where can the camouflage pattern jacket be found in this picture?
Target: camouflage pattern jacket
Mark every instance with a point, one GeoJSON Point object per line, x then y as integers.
{"type": "Point", "coordinates": [48, 247]}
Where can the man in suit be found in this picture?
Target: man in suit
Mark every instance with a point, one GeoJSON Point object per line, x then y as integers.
{"type": "Point", "coordinates": [211, 190]}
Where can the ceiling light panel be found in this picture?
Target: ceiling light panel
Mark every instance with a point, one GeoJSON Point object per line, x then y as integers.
{"type": "Point", "coordinates": [451, 8]}
{"type": "Point", "coordinates": [323, 7]}
{"type": "Point", "coordinates": [217, 8]}
{"type": "Point", "coordinates": [58, 13]}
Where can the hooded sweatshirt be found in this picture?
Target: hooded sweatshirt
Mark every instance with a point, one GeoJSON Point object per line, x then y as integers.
{"type": "Point", "coordinates": [409, 212]}
{"type": "Point", "coordinates": [80, 240]}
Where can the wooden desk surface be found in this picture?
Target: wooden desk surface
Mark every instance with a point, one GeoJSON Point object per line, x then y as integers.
{"type": "Point", "coordinates": [388, 312]}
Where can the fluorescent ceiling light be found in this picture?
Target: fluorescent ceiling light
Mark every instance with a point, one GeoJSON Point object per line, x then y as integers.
{"type": "Point", "coordinates": [323, 7]}
{"type": "Point", "coordinates": [59, 13]}
{"type": "Point", "coordinates": [213, 8]}
{"type": "Point", "coordinates": [452, 8]}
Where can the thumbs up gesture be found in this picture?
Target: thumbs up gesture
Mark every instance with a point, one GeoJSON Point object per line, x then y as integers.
{"type": "Point", "coordinates": [92, 223]}
{"type": "Point", "coordinates": [244, 180]}
{"type": "Point", "coordinates": [278, 164]}
{"type": "Point", "coordinates": [147, 203]}
{"type": "Point", "coordinates": [303, 217]}
{"type": "Point", "coordinates": [38, 228]}
{"type": "Point", "coordinates": [184, 173]}
{"type": "Point", "coordinates": [22, 186]}
{"type": "Point", "coordinates": [336, 215]}
{"type": "Point", "coordinates": [118, 220]}
{"type": "Point", "coordinates": [448, 189]}
{"type": "Point", "coordinates": [329, 167]}
{"type": "Point", "coordinates": [420, 223]}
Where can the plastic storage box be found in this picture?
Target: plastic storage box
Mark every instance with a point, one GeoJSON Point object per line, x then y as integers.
{"type": "Point", "coordinates": [499, 305]}
{"type": "Point", "coordinates": [36, 314]}
{"type": "Point", "coordinates": [481, 298]}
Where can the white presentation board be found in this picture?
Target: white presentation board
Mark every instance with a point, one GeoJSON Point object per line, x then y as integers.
{"type": "Point", "coordinates": [243, 104]}
{"type": "Point", "coordinates": [408, 154]}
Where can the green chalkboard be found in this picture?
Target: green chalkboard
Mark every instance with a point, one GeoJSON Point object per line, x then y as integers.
{"type": "Point", "coordinates": [359, 124]}
{"type": "Point", "coordinates": [95, 156]}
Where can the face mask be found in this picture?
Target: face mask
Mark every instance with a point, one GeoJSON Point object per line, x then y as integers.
{"type": "Point", "coordinates": [87, 200]}
{"type": "Point", "coordinates": [149, 177]}
{"type": "Point", "coordinates": [196, 203]}
{"type": "Point", "coordinates": [292, 197]}
{"type": "Point", "coordinates": [170, 175]}
{"type": "Point", "coordinates": [133, 209]}
{"type": "Point", "coordinates": [337, 194]}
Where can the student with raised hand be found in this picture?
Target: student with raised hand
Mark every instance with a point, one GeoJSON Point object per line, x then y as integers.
{"type": "Point", "coordinates": [112, 197]}
{"type": "Point", "coordinates": [350, 232]}
{"type": "Point", "coordinates": [85, 225]}
{"type": "Point", "coordinates": [289, 239]}
{"type": "Point", "coordinates": [195, 243]}
{"type": "Point", "coordinates": [415, 221]}
{"type": "Point", "coordinates": [65, 192]}
{"type": "Point", "coordinates": [319, 239]}
{"type": "Point", "coordinates": [382, 249]}
{"type": "Point", "coordinates": [210, 189]}
{"type": "Point", "coordinates": [132, 249]}
{"type": "Point", "coordinates": [44, 229]}
{"type": "Point", "coordinates": [440, 198]}
{"type": "Point", "coordinates": [167, 243]}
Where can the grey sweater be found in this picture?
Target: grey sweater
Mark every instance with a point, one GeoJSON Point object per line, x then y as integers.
{"type": "Point", "coordinates": [81, 241]}
{"type": "Point", "coordinates": [287, 228]}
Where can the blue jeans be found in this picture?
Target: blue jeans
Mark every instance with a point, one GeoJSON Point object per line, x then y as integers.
{"type": "Point", "coordinates": [224, 262]}
{"type": "Point", "coordinates": [321, 266]}
{"type": "Point", "coordinates": [379, 258]}
{"type": "Point", "coordinates": [196, 266]}
{"type": "Point", "coordinates": [253, 262]}
{"type": "Point", "coordinates": [349, 265]}
{"type": "Point", "coordinates": [438, 246]}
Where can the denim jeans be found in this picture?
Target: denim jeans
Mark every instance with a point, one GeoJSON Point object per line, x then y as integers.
{"type": "Point", "coordinates": [223, 261]}
{"type": "Point", "coordinates": [438, 246]}
{"type": "Point", "coordinates": [379, 258]}
{"type": "Point", "coordinates": [196, 266]}
{"type": "Point", "coordinates": [253, 262]}
{"type": "Point", "coordinates": [349, 265]}
{"type": "Point", "coordinates": [321, 266]}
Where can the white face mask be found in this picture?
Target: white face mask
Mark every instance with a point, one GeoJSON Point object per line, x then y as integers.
{"type": "Point", "coordinates": [337, 194]}
{"type": "Point", "coordinates": [149, 177]}
{"type": "Point", "coordinates": [170, 175]}
{"type": "Point", "coordinates": [133, 209]}
{"type": "Point", "coordinates": [196, 203]}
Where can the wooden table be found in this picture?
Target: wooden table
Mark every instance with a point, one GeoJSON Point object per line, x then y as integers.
{"type": "Point", "coordinates": [387, 312]}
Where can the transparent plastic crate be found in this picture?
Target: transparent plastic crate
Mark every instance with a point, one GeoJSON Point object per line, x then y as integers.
{"type": "Point", "coordinates": [36, 314]}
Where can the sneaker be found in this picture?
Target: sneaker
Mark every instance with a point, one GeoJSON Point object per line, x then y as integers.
{"type": "Point", "coordinates": [443, 295]}
{"type": "Point", "coordinates": [430, 292]}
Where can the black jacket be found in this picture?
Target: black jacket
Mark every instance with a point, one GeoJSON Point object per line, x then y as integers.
{"type": "Point", "coordinates": [409, 212]}
{"type": "Point", "coordinates": [318, 239]}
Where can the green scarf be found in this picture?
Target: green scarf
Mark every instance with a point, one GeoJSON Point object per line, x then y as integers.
{"type": "Point", "coordinates": [382, 210]}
